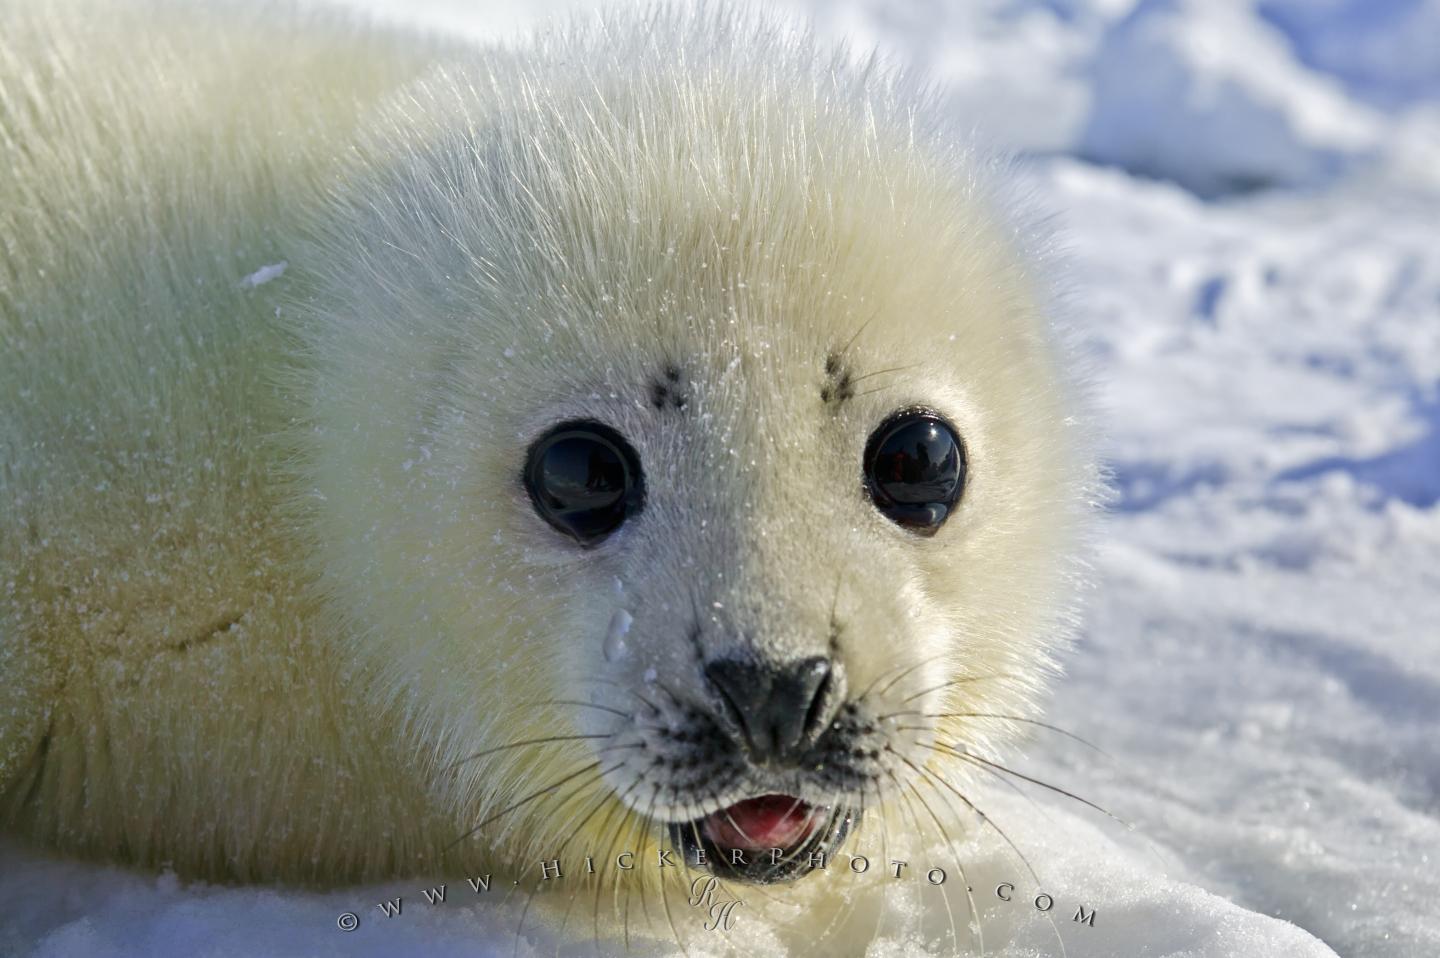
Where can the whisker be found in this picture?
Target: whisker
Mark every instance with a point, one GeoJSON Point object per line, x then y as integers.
{"type": "Point", "coordinates": [936, 779]}
{"type": "Point", "coordinates": [851, 341]}
{"type": "Point", "coordinates": [933, 779]}
{"type": "Point", "coordinates": [877, 680]}
{"type": "Point", "coordinates": [918, 665]}
{"type": "Point", "coordinates": [615, 890]}
{"type": "Point", "coordinates": [534, 741]}
{"type": "Point", "coordinates": [605, 798]}
{"type": "Point", "coordinates": [1039, 810]}
{"type": "Point", "coordinates": [881, 372]}
{"type": "Point", "coordinates": [736, 826]}
{"type": "Point", "coordinates": [971, 757]}
{"type": "Point", "coordinates": [996, 715]}
{"type": "Point", "coordinates": [836, 922]}
{"type": "Point", "coordinates": [843, 808]}
{"type": "Point", "coordinates": [524, 912]}
{"type": "Point", "coordinates": [580, 827]}
{"type": "Point", "coordinates": [619, 747]}
{"type": "Point", "coordinates": [640, 836]}
{"type": "Point", "coordinates": [885, 853]}
{"type": "Point", "coordinates": [638, 830]}
{"type": "Point", "coordinates": [601, 680]}
{"type": "Point", "coordinates": [531, 797]}
{"type": "Point", "coordinates": [619, 806]}
{"type": "Point", "coordinates": [962, 681]}
{"type": "Point", "coordinates": [944, 836]}
{"type": "Point", "coordinates": [975, 926]}
{"type": "Point", "coordinates": [590, 705]}
{"type": "Point", "coordinates": [665, 899]}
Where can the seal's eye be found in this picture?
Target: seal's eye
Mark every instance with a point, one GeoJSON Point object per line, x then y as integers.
{"type": "Point", "coordinates": [584, 479]}
{"type": "Point", "coordinates": [915, 470]}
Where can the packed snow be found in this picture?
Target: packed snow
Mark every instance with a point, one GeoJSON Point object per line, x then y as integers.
{"type": "Point", "coordinates": [264, 274]}
{"type": "Point", "coordinates": [1249, 195]}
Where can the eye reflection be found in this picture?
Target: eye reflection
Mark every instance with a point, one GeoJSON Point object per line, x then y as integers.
{"type": "Point", "coordinates": [915, 470]}
{"type": "Point", "coordinates": [584, 479]}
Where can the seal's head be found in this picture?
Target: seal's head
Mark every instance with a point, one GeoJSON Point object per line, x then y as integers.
{"type": "Point", "coordinates": [688, 445]}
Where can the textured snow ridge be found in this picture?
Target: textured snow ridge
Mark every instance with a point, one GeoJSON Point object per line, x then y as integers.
{"type": "Point", "coordinates": [1263, 651]}
{"type": "Point", "coordinates": [1198, 92]}
{"type": "Point", "coordinates": [1261, 663]}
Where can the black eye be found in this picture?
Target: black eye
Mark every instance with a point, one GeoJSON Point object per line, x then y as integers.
{"type": "Point", "coordinates": [915, 470]}
{"type": "Point", "coordinates": [584, 479]}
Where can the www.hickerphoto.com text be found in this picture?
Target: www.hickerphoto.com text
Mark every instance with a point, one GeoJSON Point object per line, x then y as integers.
{"type": "Point", "coordinates": [702, 889]}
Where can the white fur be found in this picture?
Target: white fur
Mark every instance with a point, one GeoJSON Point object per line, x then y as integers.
{"type": "Point", "coordinates": [266, 566]}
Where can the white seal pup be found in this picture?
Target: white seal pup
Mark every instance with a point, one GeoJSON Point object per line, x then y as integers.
{"type": "Point", "coordinates": [652, 437]}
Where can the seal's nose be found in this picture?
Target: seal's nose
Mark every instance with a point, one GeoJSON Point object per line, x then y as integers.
{"type": "Point", "coordinates": [780, 707]}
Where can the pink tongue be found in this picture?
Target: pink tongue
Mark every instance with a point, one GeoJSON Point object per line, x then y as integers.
{"type": "Point", "coordinates": [770, 821]}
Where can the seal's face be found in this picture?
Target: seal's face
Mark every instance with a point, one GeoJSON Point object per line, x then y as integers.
{"type": "Point", "coordinates": [713, 483]}
{"type": "Point", "coordinates": [723, 690]}
{"type": "Point", "coordinates": [794, 556]}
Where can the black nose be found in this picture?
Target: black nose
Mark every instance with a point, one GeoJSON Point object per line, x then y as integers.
{"type": "Point", "coordinates": [781, 708]}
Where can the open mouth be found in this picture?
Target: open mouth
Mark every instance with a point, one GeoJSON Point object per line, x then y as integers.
{"type": "Point", "coordinates": [772, 838]}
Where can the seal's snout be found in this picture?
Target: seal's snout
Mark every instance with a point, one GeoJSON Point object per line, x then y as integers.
{"type": "Point", "coordinates": [780, 709]}
{"type": "Point", "coordinates": [773, 761]}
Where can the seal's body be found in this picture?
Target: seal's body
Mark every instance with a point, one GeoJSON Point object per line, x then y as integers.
{"type": "Point", "coordinates": [165, 694]}
{"type": "Point", "coordinates": [646, 437]}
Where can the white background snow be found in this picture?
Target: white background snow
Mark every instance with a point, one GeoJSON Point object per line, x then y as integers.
{"type": "Point", "coordinates": [1249, 191]}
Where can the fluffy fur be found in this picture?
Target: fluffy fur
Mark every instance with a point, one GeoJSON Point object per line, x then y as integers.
{"type": "Point", "coordinates": [267, 571]}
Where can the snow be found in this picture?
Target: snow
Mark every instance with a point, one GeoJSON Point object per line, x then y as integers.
{"type": "Point", "coordinates": [264, 274]}
{"type": "Point", "coordinates": [1261, 661]}
{"type": "Point", "coordinates": [1386, 51]}
{"type": "Point", "coordinates": [1264, 640]}
{"type": "Point", "coordinates": [1197, 91]}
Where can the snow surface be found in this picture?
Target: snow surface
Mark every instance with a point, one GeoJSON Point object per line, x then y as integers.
{"type": "Point", "coordinates": [264, 274]}
{"type": "Point", "coordinates": [1262, 659]}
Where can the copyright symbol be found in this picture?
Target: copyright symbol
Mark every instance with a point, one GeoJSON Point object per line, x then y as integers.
{"type": "Point", "coordinates": [348, 921]}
